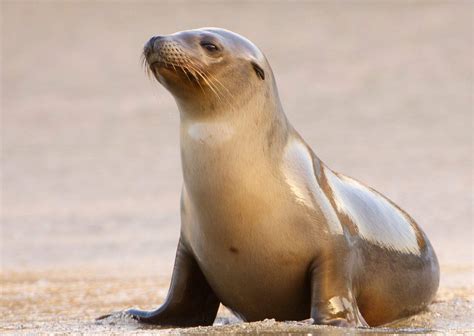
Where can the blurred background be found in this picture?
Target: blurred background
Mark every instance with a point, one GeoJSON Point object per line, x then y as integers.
{"type": "Point", "coordinates": [90, 167]}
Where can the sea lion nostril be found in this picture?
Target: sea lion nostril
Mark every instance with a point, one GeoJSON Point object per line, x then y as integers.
{"type": "Point", "coordinates": [150, 45]}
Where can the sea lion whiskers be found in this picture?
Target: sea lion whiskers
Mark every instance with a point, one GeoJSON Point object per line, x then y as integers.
{"type": "Point", "coordinates": [193, 71]}
{"type": "Point", "coordinates": [210, 81]}
{"type": "Point", "coordinates": [219, 82]}
{"type": "Point", "coordinates": [215, 88]}
{"type": "Point", "coordinates": [188, 72]}
{"type": "Point", "coordinates": [185, 71]}
{"type": "Point", "coordinates": [212, 87]}
{"type": "Point", "coordinates": [230, 100]}
{"type": "Point", "coordinates": [210, 78]}
{"type": "Point", "coordinates": [174, 67]}
{"type": "Point", "coordinates": [198, 69]}
{"type": "Point", "coordinates": [146, 67]}
{"type": "Point", "coordinates": [200, 73]}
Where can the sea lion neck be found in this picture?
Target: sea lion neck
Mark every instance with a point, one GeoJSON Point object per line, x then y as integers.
{"type": "Point", "coordinates": [259, 121]}
{"type": "Point", "coordinates": [264, 127]}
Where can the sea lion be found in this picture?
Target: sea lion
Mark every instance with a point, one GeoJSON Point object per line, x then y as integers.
{"type": "Point", "coordinates": [267, 229]}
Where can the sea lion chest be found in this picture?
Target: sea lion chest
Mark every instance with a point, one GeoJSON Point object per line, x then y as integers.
{"type": "Point", "coordinates": [249, 238]}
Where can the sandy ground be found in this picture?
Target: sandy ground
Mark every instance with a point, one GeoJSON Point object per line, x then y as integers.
{"type": "Point", "coordinates": [90, 156]}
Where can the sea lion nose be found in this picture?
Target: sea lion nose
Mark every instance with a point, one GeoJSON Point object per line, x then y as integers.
{"type": "Point", "coordinates": [150, 45]}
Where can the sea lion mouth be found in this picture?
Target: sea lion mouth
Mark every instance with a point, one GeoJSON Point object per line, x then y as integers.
{"type": "Point", "coordinates": [179, 69]}
{"type": "Point", "coordinates": [153, 60]}
{"type": "Point", "coordinates": [160, 64]}
{"type": "Point", "coordinates": [165, 64]}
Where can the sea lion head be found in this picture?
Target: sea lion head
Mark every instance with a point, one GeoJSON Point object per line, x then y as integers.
{"type": "Point", "coordinates": [209, 66]}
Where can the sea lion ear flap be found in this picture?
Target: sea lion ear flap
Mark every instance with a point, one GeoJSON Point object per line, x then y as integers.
{"type": "Point", "coordinates": [258, 70]}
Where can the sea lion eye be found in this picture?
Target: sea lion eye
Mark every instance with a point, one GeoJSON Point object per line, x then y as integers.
{"type": "Point", "coordinates": [209, 46]}
{"type": "Point", "coordinates": [258, 70]}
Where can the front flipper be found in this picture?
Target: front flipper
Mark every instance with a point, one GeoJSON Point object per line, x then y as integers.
{"type": "Point", "coordinates": [332, 300]}
{"type": "Point", "coordinates": [190, 301]}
